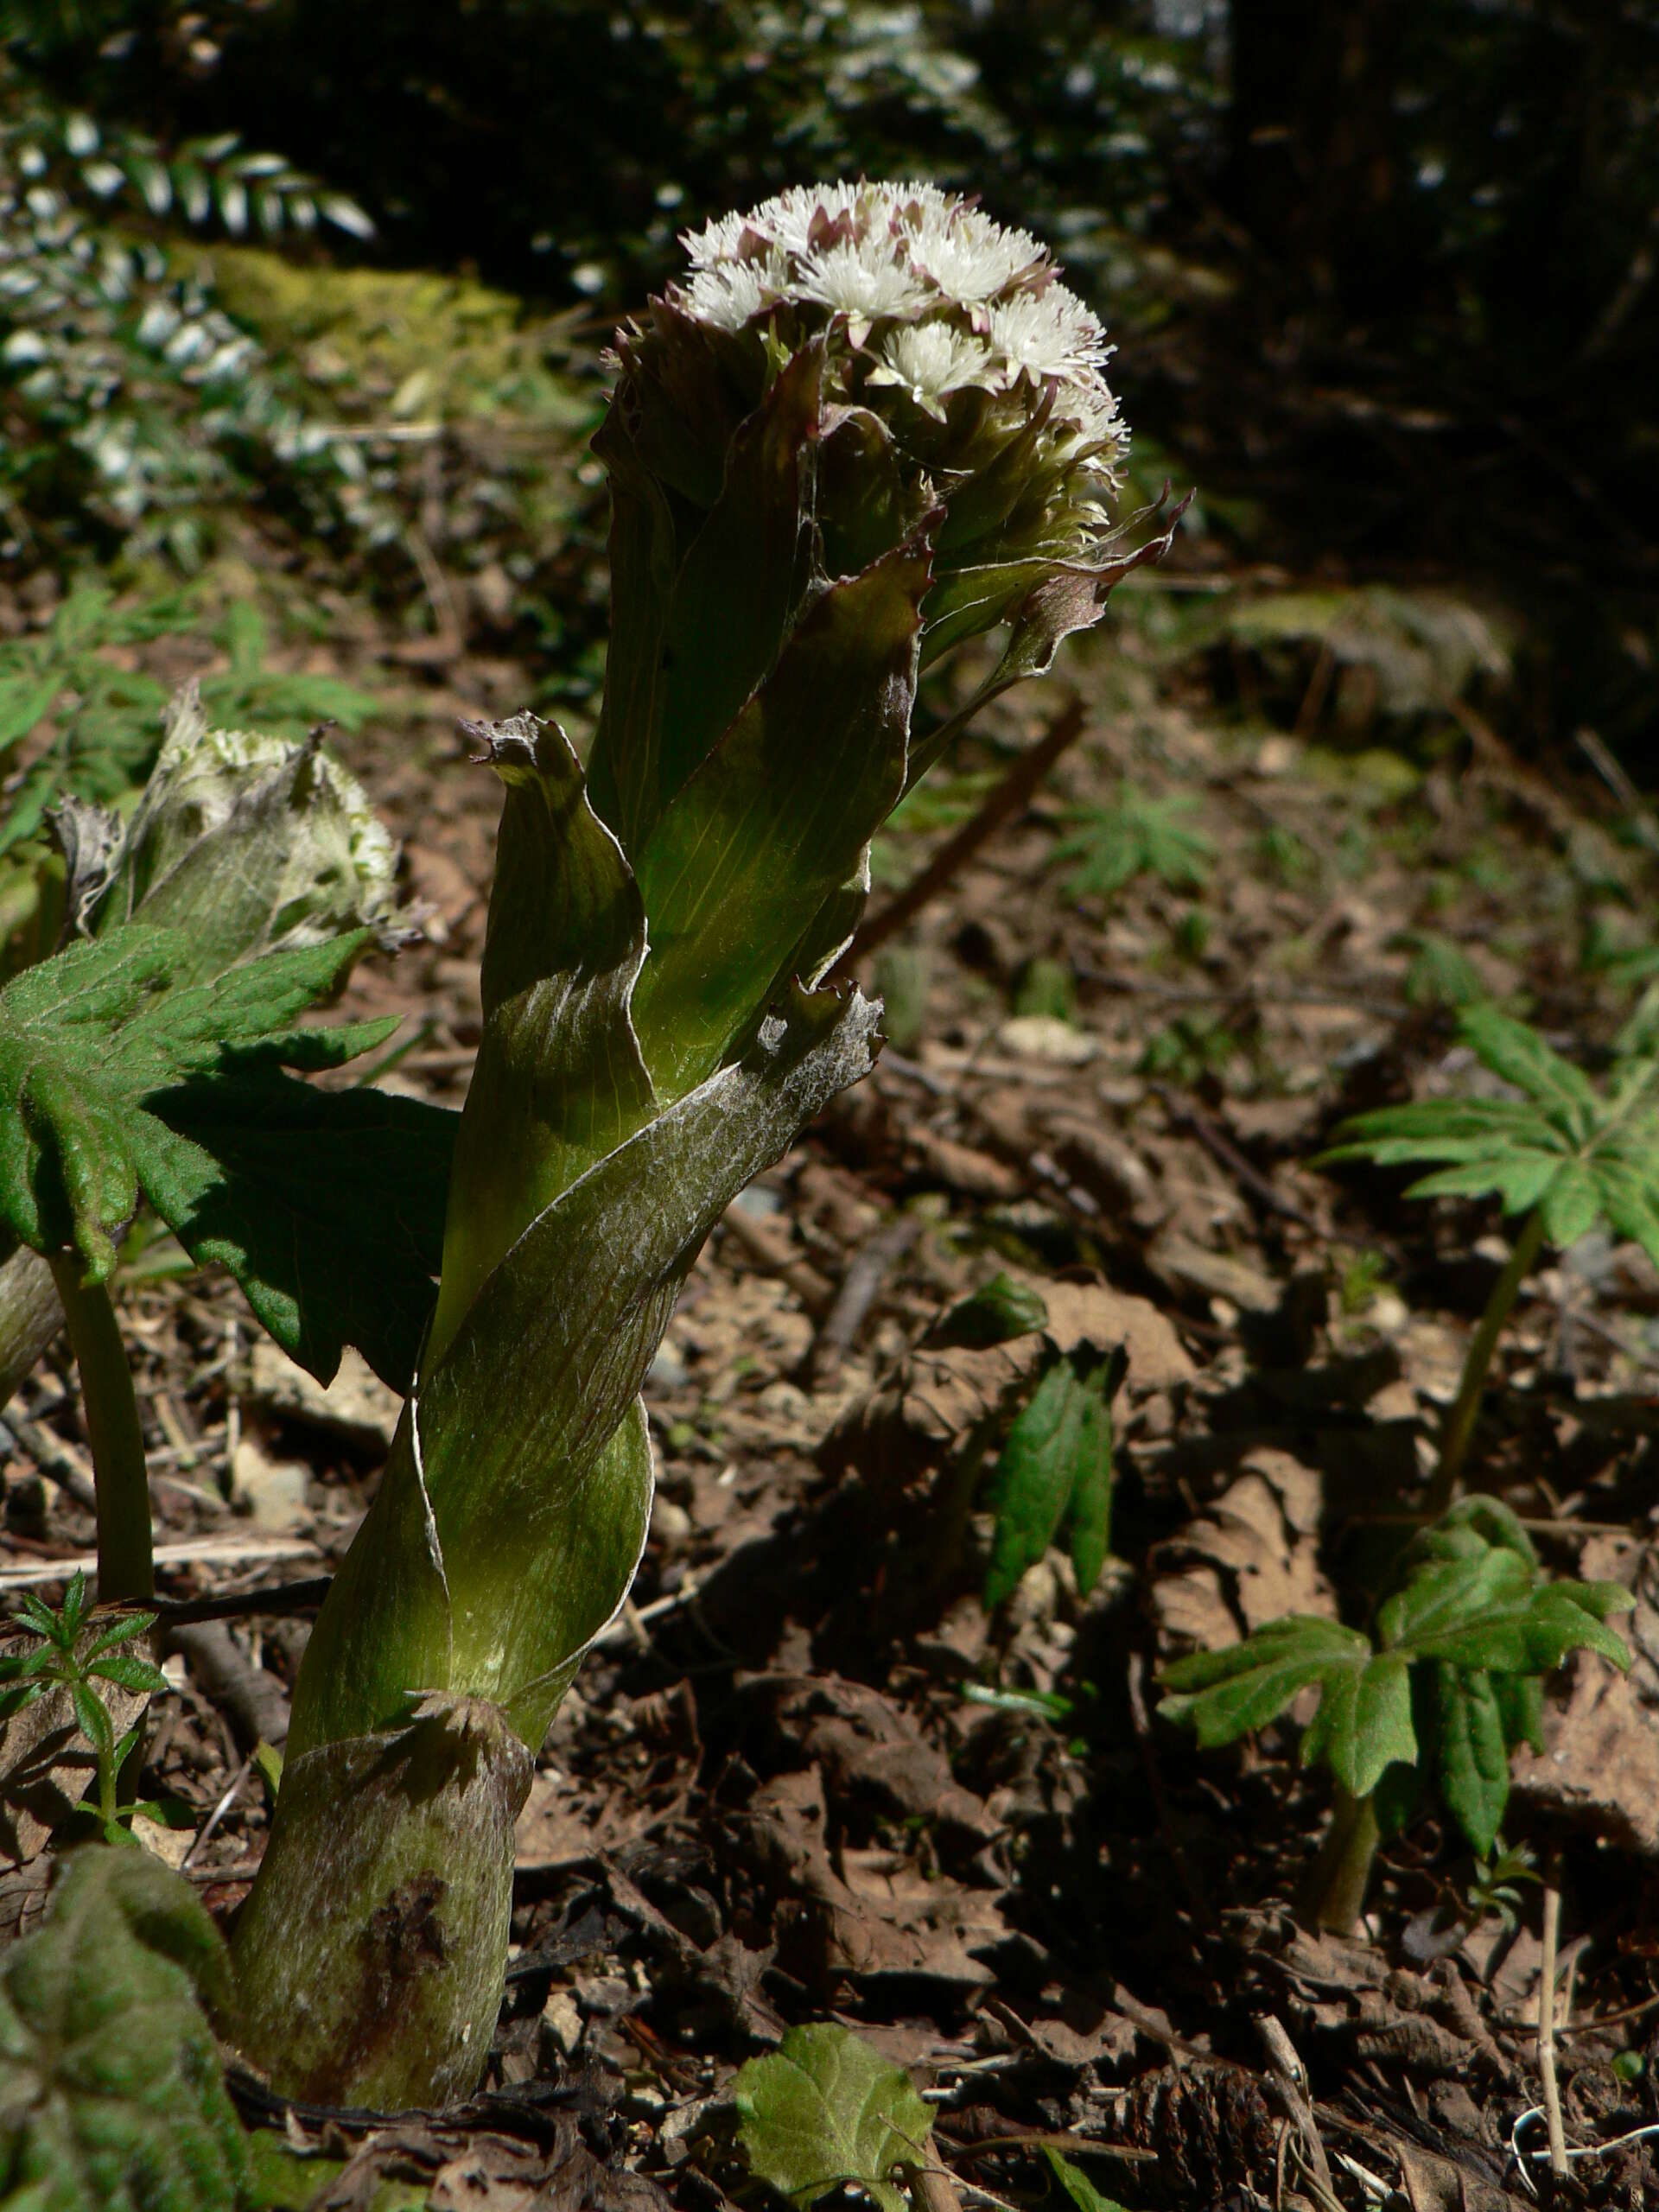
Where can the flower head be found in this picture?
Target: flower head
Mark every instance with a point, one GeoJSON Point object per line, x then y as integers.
{"type": "Point", "coordinates": [730, 294]}
{"type": "Point", "coordinates": [945, 383]}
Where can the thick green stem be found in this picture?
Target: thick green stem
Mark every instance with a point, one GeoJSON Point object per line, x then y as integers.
{"type": "Point", "coordinates": [125, 1565]}
{"type": "Point", "coordinates": [371, 1957]}
{"type": "Point", "coordinates": [1456, 1436]}
{"type": "Point", "coordinates": [1335, 1896]}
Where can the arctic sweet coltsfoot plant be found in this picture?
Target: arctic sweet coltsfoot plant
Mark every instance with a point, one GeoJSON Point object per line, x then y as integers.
{"type": "Point", "coordinates": [867, 424]}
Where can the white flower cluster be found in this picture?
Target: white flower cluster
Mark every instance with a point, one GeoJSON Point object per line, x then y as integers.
{"type": "Point", "coordinates": [939, 296]}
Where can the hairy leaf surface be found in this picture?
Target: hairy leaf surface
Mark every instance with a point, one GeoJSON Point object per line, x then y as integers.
{"type": "Point", "coordinates": [825, 2109]}
{"type": "Point", "coordinates": [111, 2093]}
{"type": "Point", "coordinates": [117, 1080]}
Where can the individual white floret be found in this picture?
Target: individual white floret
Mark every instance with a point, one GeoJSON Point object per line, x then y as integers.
{"type": "Point", "coordinates": [715, 241]}
{"type": "Point", "coordinates": [968, 256]}
{"type": "Point", "coordinates": [1047, 334]}
{"type": "Point", "coordinates": [863, 279]}
{"type": "Point", "coordinates": [794, 219]}
{"type": "Point", "coordinates": [1092, 410]}
{"type": "Point", "coordinates": [732, 293]}
{"type": "Point", "coordinates": [930, 360]}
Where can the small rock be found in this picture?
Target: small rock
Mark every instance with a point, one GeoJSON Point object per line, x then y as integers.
{"type": "Point", "coordinates": [356, 1404]}
{"type": "Point", "coordinates": [786, 1403]}
{"type": "Point", "coordinates": [271, 1492]}
{"type": "Point", "coordinates": [670, 1523]}
{"type": "Point", "coordinates": [171, 1845]}
{"type": "Point", "coordinates": [562, 2024]}
{"type": "Point", "coordinates": [1044, 1037]}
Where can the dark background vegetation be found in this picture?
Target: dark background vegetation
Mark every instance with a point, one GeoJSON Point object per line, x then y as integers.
{"type": "Point", "coordinates": [1382, 275]}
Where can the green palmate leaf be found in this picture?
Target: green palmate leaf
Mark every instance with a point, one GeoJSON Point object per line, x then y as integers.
{"type": "Point", "coordinates": [1492, 1611]}
{"type": "Point", "coordinates": [1577, 1156]}
{"type": "Point", "coordinates": [86, 1040]}
{"type": "Point", "coordinates": [1442, 972]}
{"type": "Point", "coordinates": [774, 820]}
{"type": "Point", "coordinates": [110, 2095]}
{"type": "Point", "coordinates": [1471, 1752]}
{"type": "Point", "coordinates": [117, 1080]}
{"type": "Point", "coordinates": [1137, 835]}
{"type": "Point", "coordinates": [1056, 1462]}
{"type": "Point", "coordinates": [1363, 1724]}
{"type": "Point", "coordinates": [997, 1310]}
{"type": "Point", "coordinates": [559, 1081]}
{"type": "Point", "coordinates": [1224, 1695]}
{"type": "Point", "coordinates": [1521, 1708]}
{"type": "Point", "coordinates": [1517, 1054]}
{"type": "Point", "coordinates": [510, 1516]}
{"type": "Point", "coordinates": [825, 2109]}
{"type": "Point", "coordinates": [1470, 1530]}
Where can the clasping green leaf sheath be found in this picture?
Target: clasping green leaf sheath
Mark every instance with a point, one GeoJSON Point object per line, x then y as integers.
{"type": "Point", "coordinates": [559, 1080]}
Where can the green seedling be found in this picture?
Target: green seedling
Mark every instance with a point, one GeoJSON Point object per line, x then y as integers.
{"type": "Point", "coordinates": [1562, 1155]}
{"type": "Point", "coordinates": [1137, 835]}
{"type": "Point", "coordinates": [997, 1312]}
{"type": "Point", "coordinates": [1496, 1887]}
{"type": "Point", "coordinates": [1440, 973]}
{"type": "Point", "coordinates": [61, 1656]}
{"type": "Point", "coordinates": [1364, 1276]}
{"type": "Point", "coordinates": [1055, 1471]}
{"type": "Point", "coordinates": [1190, 1048]}
{"type": "Point", "coordinates": [1446, 1687]}
{"type": "Point", "coordinates": [284, 703]}
{"type": "Point", "coordinates": [105, 717]}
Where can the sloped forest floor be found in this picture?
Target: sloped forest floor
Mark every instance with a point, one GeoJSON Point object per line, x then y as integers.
{"type": "Point", "coordinates": [807, 1775]}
